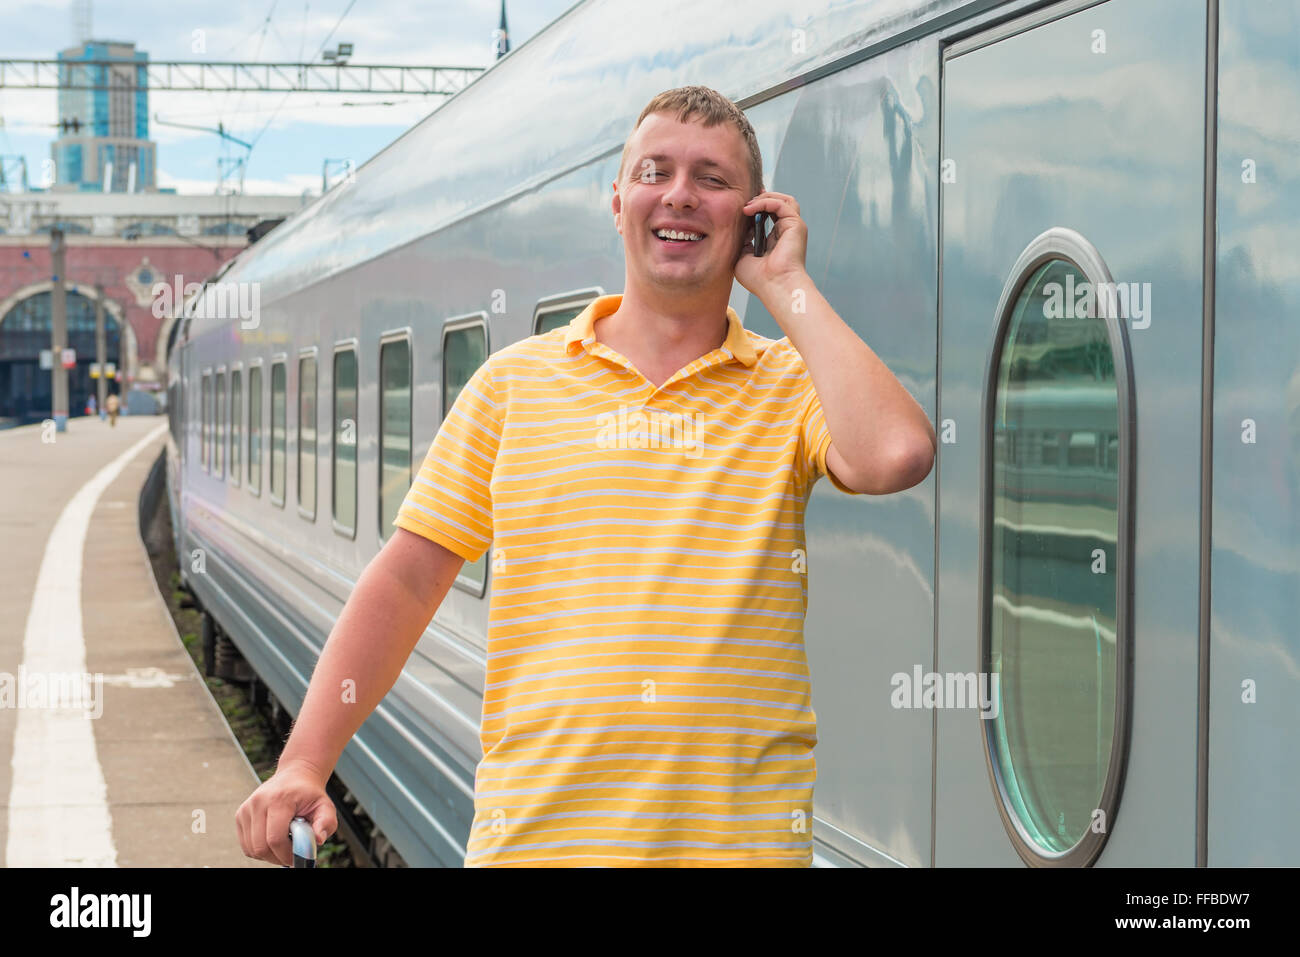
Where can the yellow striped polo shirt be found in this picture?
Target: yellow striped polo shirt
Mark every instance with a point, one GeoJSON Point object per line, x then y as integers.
{"type": "Point", "coordinates": [647, 697]}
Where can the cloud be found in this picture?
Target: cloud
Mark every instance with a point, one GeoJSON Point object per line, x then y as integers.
{"type": "Point", "coordinates": [29, 111]}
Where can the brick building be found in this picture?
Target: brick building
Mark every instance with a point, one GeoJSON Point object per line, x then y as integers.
{"type": "Point", "coordinates": [122, 244]}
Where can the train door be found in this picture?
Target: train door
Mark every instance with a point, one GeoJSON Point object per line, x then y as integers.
{"type": "Point", "coordinates": [1072, 173]}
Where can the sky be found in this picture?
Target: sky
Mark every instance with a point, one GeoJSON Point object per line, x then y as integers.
{"type": "Point", "coordinates": [292, 135]}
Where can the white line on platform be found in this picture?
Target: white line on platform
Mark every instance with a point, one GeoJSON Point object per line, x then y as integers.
{"type": "Point", "coordinates": [58, 806]}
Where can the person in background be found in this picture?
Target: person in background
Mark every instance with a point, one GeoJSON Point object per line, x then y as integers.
{"type": "Point", "coordinates": [111, 404]}
{"type": "Point", "coordinates": [91, 405]}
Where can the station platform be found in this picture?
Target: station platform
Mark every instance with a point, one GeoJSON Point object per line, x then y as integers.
{"type": "Point", "coordinates": [112, 751]}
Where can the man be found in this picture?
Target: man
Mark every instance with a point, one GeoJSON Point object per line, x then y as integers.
{"type": "Point", "coordinates": [647, 695]}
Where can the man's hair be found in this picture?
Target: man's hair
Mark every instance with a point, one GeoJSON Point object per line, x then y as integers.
{"type": "Point", "coordinates": [687, 102]}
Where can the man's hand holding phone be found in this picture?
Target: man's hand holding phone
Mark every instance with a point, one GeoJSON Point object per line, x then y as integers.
{"type": "Point", "coordinates": [769, 262]}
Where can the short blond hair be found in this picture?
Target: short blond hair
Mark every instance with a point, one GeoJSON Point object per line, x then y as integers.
{"type": "Point", "coordinates": [712, 108]}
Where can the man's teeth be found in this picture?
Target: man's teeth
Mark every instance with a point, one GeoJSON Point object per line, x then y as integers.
{"type": "Point", "coordinates": [674, 234]}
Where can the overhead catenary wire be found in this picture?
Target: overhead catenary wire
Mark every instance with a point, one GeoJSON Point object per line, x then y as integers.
{"type": "Point", "coordinates": [319, 50]}
{"type": "Point", "coordinates": [200, 114]}
{"type": "Point", "coordinates": [261, 39]}
{"type": "Point", "coordinates": [224, 148]}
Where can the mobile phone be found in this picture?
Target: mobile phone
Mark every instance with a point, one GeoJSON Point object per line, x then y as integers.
{"type": "Point", "coordinates": [760, 233]}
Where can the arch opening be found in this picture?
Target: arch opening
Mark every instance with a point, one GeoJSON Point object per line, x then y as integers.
{"type": "Point", "coordinates": [26, 390]}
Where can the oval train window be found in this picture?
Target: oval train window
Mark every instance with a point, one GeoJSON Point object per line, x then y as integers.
{"type": "Point", "coordinates": [1056, 536]}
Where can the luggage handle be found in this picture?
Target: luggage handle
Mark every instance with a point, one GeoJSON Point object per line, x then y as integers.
{"type": "Point", "coordinates": [304, 842]}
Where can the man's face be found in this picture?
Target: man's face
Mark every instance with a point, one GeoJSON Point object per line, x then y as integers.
{"type": "Point", "coordinates": [691, 176]}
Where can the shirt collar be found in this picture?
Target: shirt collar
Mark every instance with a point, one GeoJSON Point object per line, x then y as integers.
{"type": "Point", "coordinates": [581, 330]}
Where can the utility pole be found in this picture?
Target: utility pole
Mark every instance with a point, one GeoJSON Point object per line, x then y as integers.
{"type": "Point", "coordinates": [59, 331]}
{"type": "Point", "coordinates": [14, 161]}
{"type": "Point", "coordinates": [101, 348]}
{"type": "Point", "coordinates": [240, 163]}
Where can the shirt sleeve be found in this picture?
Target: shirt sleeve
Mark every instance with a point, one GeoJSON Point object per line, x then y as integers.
{"type": "Point", "coordinates": [450, 501]}
{"type": "Point", "coordinates": [814, 436]}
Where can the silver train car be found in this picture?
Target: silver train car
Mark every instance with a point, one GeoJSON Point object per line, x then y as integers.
{"type": "Point", "coordinates": [1070, 229]}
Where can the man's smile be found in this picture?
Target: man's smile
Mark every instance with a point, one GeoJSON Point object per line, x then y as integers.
{"type": "Point", "coordinates": [676, 238]}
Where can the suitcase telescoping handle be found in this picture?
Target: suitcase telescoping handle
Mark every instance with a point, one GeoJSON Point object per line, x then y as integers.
{"type": "Point", "coordinates": [304, 842]}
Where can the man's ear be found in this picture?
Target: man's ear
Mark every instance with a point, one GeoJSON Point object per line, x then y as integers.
{"type": "Point", "coordinates": [617, 206]}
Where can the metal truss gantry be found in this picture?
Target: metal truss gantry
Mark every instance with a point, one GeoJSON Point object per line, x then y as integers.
{"type": "Point", "coordinates": [222, 77]}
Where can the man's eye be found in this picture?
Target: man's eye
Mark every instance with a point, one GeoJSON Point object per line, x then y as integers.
{"type": "Point", "coordinates": [649, 175]}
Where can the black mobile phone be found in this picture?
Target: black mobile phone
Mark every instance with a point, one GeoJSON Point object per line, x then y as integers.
{"type": "Point", "coordinates": [760, 233]}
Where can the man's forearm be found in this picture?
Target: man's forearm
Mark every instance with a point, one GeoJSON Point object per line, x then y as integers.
{"type": "Point", "coordinates": [366, 651]}
{"type": "Point", "coordinates": [874, 422]}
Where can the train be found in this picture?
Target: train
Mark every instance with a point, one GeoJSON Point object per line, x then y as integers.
{"type": "Point", "coordinates": [1074, 643]}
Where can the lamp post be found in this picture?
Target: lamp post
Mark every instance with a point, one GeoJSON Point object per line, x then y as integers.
{"type": "Point", "coordinates": [58, 331]}
{"type": "Point", "coordinates": [101, 352]}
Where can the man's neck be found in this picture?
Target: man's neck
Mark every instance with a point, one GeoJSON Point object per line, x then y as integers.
{"type": "Point", "coordinates": [662, 336]}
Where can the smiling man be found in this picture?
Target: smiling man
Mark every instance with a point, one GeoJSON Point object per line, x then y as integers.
{"type": "Point", "coordinates": [641, 477]}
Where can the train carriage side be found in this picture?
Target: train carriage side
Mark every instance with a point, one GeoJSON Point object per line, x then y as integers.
{"type": "Point", "coordinates": [1105, 339]}
{"type": "Point", "coordinates": [944, 177]}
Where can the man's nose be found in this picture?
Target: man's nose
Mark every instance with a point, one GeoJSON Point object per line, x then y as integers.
{"type": "Point", "coordinates": [681, 192]}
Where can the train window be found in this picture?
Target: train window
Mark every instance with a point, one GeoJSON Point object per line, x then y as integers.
{"type": "Point", "coordinates": [236, 421]}
{"type": "Point", "coordinates": [547, 321]}
{"type": "Point", "coordinates": [307, 435]}
{"type": "Point", "coordinates": [255, 429]}
{"type": "Point", "coordinates": [394, 430]}
{"type": "Point", "coordinates": [464, 349]}
{"type": "Point", "coordinates": [278, 429]}
{"type": "Point", "coordinates": [1050, 453]}
{"type": "Point", "coordinates": [205, 415]}
{"type": "Point", "coordinates": [556, 311]}
{"type": "Point", "coordinates": [219, 447]}
{"type": "Point", "coordinates": [212, 423]}
{"type": "Point", "coordinates": [1083, 449]}
{"type": "Point", "coordinates": [1055, 581]}
{"type": "Point", "coordinates": [345, 441]}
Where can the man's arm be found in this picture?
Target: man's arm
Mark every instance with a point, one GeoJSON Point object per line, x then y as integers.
{"type": "Point", "coordinates": [881, 439]}
{"type": "Point", "coordinates": [392, 603]}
